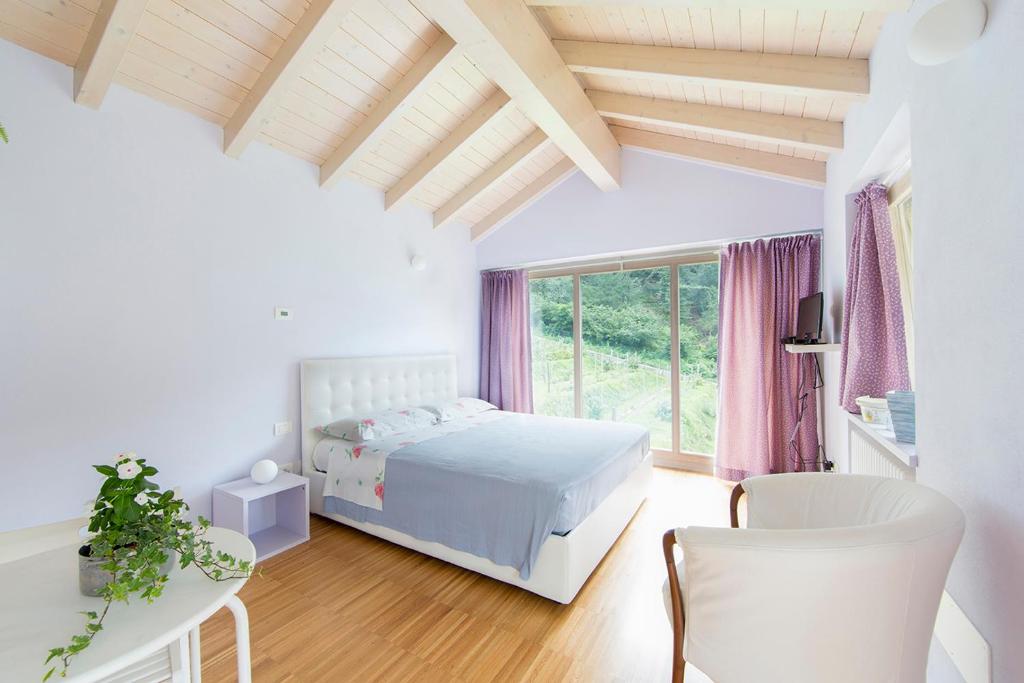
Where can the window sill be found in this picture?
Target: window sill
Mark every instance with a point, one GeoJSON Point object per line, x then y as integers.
{"type": "Point", "coordinates": [886, 439]}
{"type": "Point", "coordinates": [691, 462]}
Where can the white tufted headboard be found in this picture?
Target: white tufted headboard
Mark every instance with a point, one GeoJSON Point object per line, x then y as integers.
{"type": "Point", "coordinates": [334, 388]}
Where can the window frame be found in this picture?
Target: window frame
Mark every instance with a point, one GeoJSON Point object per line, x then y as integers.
{"type": "Point", "coordinates": [899, 193]}
{"type": "Point", "coordinates": [699, 462]}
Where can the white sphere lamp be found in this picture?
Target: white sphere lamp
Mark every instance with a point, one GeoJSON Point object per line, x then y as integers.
{"type": "Point", "coordinates": [946, 30]}
{"type": "Point", "coordinates": [418, 263]}
{"type": "Point", "coordinates": [263, 472]}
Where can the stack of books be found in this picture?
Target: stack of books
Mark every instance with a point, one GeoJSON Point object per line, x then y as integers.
{"type": "Point", "coordinates": [901, 410]}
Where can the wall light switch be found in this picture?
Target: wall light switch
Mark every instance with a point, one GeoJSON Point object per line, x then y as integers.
{"type": "Point", "coordinates": [282, 428]}
{"type": "Point", "coordinates": [282, 313]}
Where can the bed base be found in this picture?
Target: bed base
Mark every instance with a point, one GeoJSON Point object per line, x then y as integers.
{"type": "Point", "coordinates": [565, 562]}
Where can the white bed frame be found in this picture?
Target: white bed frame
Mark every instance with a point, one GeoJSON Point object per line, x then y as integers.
{"type": "Point", "coordinates": [341, 387]}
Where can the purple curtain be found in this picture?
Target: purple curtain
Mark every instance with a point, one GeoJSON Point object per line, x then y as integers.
{"type": "Point", "coordinates": [760, 287]}
{"type": "Point", "coordinates": [874, 357]}
{"type": "Point", "coordinates": [506, 378]}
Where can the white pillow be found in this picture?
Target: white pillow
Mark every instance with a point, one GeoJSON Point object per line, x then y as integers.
{"type": "Point", "coordinates": [379, 425]}
{"type": "Point", "coordinates": [460, 407]}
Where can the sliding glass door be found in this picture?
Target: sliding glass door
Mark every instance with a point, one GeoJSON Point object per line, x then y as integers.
{"type": "Point", "coordinates": [627, 349]}
{"type": "Point", "coordinates": [698, 357]}
{"type": "Point", "coordinates": [551, 319]}
{"type": "Point", "coordinates": [603, 343]}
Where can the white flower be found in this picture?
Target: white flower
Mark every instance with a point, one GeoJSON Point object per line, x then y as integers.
{"type": "Point", "coordinates": [128, 469]}
{"type": "Point", "coordinates": [142, 499]}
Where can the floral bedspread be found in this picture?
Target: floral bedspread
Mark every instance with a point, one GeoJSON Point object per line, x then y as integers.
{"type": "Point", "coordinates": [357, 471]}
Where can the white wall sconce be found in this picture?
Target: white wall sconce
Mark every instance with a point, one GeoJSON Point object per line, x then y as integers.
{"type": "Point", "coordinates": [946, 30]}
{"type": "Point", "coordinates": [418, 263]}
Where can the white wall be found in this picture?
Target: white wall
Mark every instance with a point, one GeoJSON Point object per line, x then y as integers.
{"type": "Point", "coordinates": [966, 142]}
{"type": "Point", "coordinates": [139, 270]}
{"type": "Point", "coordinates": [664, 202]}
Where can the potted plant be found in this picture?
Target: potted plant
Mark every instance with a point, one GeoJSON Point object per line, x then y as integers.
{"type": "Point", "coordinates": [137, 532]}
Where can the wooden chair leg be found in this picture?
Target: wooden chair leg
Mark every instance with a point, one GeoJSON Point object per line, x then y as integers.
{"type": "Point", "coordinates": [668, 543]}
{"type": "Point", "coordinates": [734, 503]}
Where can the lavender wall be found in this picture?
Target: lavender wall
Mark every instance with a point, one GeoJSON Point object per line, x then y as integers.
{"type": "Point", "coordinates": [966, 139]}
{"type": "Point", "coordinates": [664, 202]}
{"type": "Point", "coordinates": [139, 270]}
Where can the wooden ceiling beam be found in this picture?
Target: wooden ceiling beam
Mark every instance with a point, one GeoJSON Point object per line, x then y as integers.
{"type": "Point", "coordinates": [306, 40]}
{"type": "Point", "coordinates": [424, 73]}
{"type": "Point", "coordinates": [112, 29]}
{"type": "Point", "coordinates": [457, 141]}
{"type": "Point", "coordinates": [812, 5]}
{"type": "Point", "coordinates": [501, 170]}
{"type": "Point", "coordinates": [813, 134]}
{"type": "Point", "coordinates": [522, 199]}
{"type": "Point", "coordinates": [505, 39]}
{"type": "Point", "coordinates": [788, 74]}
{"type": "Point", "coordinates": [795, 169]}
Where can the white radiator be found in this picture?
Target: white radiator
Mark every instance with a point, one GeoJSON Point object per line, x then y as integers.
{"type": "Point", "coordinates": [868, 457]}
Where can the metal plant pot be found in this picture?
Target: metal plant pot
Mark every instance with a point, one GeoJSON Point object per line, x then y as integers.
{"type": "Point", "coordinates": [92, 577]}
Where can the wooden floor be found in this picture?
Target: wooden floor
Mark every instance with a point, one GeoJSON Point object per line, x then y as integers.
{"type": "Point", "coordinates": [350, 607]}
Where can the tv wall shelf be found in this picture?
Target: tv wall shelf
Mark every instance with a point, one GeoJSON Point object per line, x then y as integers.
{"type": "Point", "coordinates": [813, 348]}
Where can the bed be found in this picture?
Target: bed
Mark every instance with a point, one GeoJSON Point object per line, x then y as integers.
{"type": "Point", "coordinates": [601, 486]}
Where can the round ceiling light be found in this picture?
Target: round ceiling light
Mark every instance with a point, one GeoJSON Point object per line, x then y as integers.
{"type": "Point", "coordinates": [946, 30]}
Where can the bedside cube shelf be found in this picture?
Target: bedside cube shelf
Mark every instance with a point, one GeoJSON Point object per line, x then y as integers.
{"type": "Point", "coordinates": [275, 516]}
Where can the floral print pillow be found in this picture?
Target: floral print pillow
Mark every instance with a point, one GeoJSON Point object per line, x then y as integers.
{"type": "Point", "coordinates": [459, 408]}
{"type": "Point", "coordinates": [380, 425]}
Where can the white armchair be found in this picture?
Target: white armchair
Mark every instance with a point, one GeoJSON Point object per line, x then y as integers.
{"type": "Point", "coordinates": [836, 578]}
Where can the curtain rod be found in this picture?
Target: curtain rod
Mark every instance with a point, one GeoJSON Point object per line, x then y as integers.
{"type": "Point", "coordinates": [898, 171]}
{"type": "Point", "coordinates": [644, 255]}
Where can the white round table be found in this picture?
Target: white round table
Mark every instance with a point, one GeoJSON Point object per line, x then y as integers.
{"type": "Point", "coordinates": [40, 609]}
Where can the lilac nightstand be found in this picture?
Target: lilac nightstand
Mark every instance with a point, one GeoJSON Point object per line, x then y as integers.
{"type": "Point", "coordinates": [274, 516]}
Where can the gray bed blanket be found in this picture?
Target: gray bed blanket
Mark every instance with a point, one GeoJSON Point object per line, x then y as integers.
{"type": "Point", "coordinates": [499, 489]}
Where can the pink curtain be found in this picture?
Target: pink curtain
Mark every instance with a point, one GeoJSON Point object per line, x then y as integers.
{"type": "Point", "coordinates": [760, 287]}
{"type": "Point", "coordinates": [506, 378]}
{"type": "Point", "coordinates": [874, 357]}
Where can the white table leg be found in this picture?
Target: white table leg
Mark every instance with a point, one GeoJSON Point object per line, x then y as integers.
{"type": "Point", "coordinates": [241, 638]}
{"type": "Point", "coordinates": [194, 658]}
{"type": "Point", "coordinates": [181, 670]}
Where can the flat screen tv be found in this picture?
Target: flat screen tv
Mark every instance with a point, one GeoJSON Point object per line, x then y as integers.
{"type": "Point", "coordinates": [808, 319]}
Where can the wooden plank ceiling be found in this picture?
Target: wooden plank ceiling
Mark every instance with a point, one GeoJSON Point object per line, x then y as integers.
{"type": "Point", "coordinates": [404, 95]}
